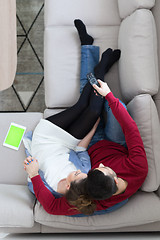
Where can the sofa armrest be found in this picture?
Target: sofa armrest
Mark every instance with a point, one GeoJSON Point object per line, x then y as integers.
{"type": "Point", "coordinates": [139, 78]}
{"type": "Point", "coordinates": [138, 65]}
{"type": "Point", "coordinates": [143, 110]}
{"type": "Point", "coordinates": [126, 7]}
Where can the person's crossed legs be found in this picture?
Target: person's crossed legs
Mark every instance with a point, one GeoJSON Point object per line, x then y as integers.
{"type": "Point", "coordinates": [79, 119]}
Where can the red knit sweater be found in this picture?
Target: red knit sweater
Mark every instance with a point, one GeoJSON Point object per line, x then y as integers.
{"type": "Point", "coordinates": [130, 165]}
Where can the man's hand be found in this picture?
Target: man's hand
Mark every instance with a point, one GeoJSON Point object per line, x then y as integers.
{"type": "Point", "coordinates": [103, 89]}
{"type": "Point", "coordinates": [31, 166]}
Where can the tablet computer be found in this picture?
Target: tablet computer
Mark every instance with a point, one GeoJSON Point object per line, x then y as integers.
{"type": "Point", "coordinates": [14, 136]}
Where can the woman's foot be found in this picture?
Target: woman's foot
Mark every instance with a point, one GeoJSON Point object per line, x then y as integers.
{"type": "Point", "coordinates": [85, 38]}
{"type": "Point", "coordinates": [100, 68]}
{"type": "Point", "coordinates": [115, 57]}
{"type": "Point", "coordinates": [109, 57]}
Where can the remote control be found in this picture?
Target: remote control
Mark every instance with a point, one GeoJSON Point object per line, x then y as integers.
{"type": "Point", "coordinates": [92, 79]}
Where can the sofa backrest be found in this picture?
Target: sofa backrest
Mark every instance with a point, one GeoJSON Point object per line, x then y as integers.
{"type": "Point", "coordinates": [156, 11]}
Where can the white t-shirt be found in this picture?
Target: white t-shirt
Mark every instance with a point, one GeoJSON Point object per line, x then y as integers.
{"type": "Point", "coordinates": [51, 146]}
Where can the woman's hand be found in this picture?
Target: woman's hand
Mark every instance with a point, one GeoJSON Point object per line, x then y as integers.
{"type": "Point", "coordinates": [103, 89]}
{"type": "Point", "coordinates": [31, 166]}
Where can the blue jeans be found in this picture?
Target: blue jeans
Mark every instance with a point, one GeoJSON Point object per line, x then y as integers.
{"type": "Point", "coordinates": [112, 130]}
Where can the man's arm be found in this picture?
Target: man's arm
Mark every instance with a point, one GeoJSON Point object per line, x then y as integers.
{"type": "Point", "coordinates": [128, 125]}
{"type": "Point", "coordinates": [132, 136]}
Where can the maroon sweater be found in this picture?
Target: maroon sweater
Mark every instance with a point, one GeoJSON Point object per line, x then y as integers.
{"type": "Point", "coordinates": [129, 164]}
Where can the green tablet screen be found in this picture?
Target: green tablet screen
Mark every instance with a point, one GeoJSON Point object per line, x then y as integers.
{"type": "Point", "coordinates": [14, 136]}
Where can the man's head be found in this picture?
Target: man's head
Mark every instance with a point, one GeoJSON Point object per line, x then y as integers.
{"type": "Point", "coordinates": [102, 183]}
{"type": "Point", "coordinates": [99, 184]}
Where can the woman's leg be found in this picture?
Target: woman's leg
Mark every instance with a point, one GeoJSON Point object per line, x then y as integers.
{"type": "Point", "coordinates": [89, 59]}
{"type": "Point", "coordinates": [87, 119]}
{"type": "Point", "coordinates": [65, 118]}
{"type": "Point", "coordinates": [89, 53]}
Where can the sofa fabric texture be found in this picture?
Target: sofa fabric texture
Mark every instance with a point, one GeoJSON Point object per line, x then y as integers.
{"type": "Point", "coordinates": [143, 110]}
{"type": "Point", "coordinates": [137, 211]}
{"type": "Point", "coordinates": [64, 68]}
{"type": "Point", "coordinates": [126, 7]}
{"type": "Point", "coordinates": [138, 65]}
{"type": "Point", "coordinates": [11, 161]}
{"type": "Point", "coordinates": [103, 12]}
{"type": "Point", "coordinates": [17, 204]}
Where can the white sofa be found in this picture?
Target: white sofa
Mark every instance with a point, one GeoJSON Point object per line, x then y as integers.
{"type": "Point", "coordinates": [130, 26]}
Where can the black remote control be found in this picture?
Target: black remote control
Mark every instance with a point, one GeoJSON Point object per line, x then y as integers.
{"type": "Point", "coordinates": [92, 79]}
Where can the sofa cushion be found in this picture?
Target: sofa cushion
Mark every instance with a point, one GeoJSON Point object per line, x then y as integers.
{"type": "Point", "coordinates": [50, 112]}
{"type": "Point", "coordinates": [14, 174]}
{"type": "Point", "coordinates": [126, 7]}
{"type": "Point", "coordinates": [137, 211]}
{"type": "Point", "coordinates": [102, 10]}
{"type": "Point", "coordinates": [138, 65]}
{"type": "Point", "coordinates": [16, 206]}
{"type": "Point", "coordinates": [143, 110]}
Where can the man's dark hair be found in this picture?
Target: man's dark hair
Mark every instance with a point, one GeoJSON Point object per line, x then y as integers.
{"type": "Point", "coordinates": [100, 186]}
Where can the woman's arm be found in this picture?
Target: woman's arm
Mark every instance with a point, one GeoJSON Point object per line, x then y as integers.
{"type": "Point", "coordinates": [54, 206]}
{"type": "Point", "coordinates": [86, 140]}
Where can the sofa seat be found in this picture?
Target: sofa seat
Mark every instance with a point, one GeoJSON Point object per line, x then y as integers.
{"type": "Point", "coordinates": [142, 208]}
{"type": "Point", "coordinates": [11, 161]}
{"type": "Point", "coordinates": [17, 205]}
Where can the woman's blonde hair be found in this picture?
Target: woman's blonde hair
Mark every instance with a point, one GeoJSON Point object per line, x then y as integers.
{"type": "Point", "coordinates": [78, 197]}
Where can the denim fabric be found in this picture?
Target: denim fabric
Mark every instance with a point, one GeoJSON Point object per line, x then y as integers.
{"type": "Point", "coordinates": [89, 59]}
{"type": "Point", "coordinates": [81, 160]}
{"type": "Point", "coordinates": [113, 131]}
{"type": "Point", "coordinates": [27, 140]}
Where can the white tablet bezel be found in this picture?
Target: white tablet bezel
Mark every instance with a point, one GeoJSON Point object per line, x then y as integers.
{"type": "Point", "coordinates": [16, 125]}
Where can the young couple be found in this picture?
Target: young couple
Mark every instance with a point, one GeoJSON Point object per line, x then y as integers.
{"type": "Point", "coordinates": [114, 167]}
